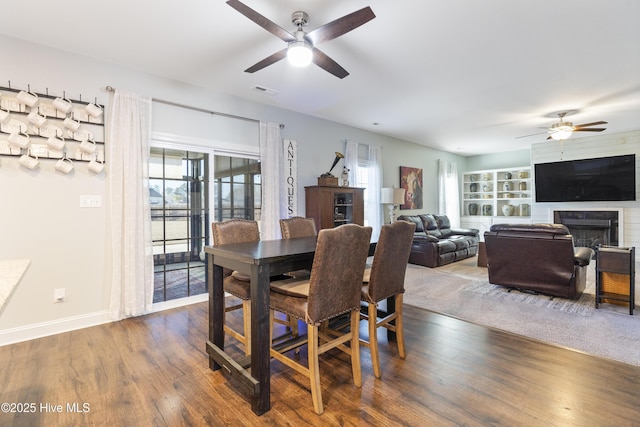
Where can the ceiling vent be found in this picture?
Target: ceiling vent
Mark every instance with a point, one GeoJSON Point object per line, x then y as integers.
{"type": "Point", "coordinates": [264, 90]}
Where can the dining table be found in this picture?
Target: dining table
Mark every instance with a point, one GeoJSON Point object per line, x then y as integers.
{"type": "Point", "coordinates": [260, 260]}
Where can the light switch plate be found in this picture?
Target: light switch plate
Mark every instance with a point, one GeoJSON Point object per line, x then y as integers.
{"type": "Point", "coordinates": [90, 201]}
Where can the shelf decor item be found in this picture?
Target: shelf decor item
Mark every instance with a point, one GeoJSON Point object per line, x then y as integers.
{"type": "Point", "coordinates": [327, 178]}
{"type": "Point", "coordinates": [473, 209]}
{"type": "Point", "coordinates": [345, 176]}
{"type": "Point", "coordinates": [507, 210]}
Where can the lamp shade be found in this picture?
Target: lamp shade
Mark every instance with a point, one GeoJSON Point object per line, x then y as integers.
{"type": "Point", "coordinates": [392, 196]}
{"type": "Point", "coordinates": [562, 130]}
{"type": "Point", "coordinates": [299, 53]}
{"type": "Point", "coordinates": [561, 134]}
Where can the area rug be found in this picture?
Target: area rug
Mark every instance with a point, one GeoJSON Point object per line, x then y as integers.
{"type": "Point", "coordinates": [466, 294]}
{"type": "Point", "coordinates": [583, 306]}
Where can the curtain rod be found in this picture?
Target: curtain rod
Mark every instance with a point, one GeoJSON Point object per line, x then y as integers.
{"type": "Point", "coordinates": [201, 110]}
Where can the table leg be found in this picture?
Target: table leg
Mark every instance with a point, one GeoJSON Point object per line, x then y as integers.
{"type": "Point", "coordinates": [260, 343]}
{"type": "Point", "coordinates": [216, 307]}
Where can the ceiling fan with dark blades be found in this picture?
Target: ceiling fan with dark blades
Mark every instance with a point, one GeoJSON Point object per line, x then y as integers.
{"type": "Point", "coordinates": [303, 43]}
{"type": "Point", "coordinates": [563, 130]}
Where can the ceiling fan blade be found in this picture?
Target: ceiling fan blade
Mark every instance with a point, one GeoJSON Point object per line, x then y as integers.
{"type": "Point", "coordinates": [328, 64]}
{"type": "Point", "coordinates": [281, 54]}
{"type": "Point", "coordinates": [265, 23]}
{"type": "Point", "coordinates": [590, 124]}
{"type": "Point", "coordinates": [341, 26]}
{"type": "Point", "coordinates": [533, 134]}
{"type": "Point", "coordinates": [590, 130]}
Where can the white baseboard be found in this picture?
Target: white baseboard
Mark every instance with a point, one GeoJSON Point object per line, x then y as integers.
{"type": "Point", "coordinates": [44, 329]}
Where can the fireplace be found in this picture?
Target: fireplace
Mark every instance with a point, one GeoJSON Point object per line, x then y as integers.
{"type": "Point", "coordinates": [591, 228]}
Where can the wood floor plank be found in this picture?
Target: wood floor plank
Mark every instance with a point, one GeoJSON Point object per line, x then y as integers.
{"type": "Point", "coordinates": [153, 371]}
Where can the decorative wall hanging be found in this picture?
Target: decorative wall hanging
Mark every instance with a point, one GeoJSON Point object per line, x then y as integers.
{"type": "Point", "coordinates": [411, 181]}
{"type": "Point", "coordinates": [42, 126]}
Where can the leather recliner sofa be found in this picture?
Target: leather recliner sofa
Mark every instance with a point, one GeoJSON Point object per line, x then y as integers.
{"type": "Point", "coordinates": [435, 243]}
{"type": "Point", "coordinates": [537, 257]}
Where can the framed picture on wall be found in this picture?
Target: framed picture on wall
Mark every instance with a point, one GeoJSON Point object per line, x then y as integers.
{"type": "Point", "coordinates": [411, 181]}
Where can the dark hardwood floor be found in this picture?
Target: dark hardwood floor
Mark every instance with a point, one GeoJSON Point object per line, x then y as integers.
{"type": "Point", "coordinates": [153, 371]}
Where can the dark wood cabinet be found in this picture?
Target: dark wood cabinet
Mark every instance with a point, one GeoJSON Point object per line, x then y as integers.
{"type": "Point", "coordinates": [334, 206]}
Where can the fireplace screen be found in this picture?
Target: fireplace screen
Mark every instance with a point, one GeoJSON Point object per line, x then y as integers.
{"type": "Point", "coordinates": [590, 228]}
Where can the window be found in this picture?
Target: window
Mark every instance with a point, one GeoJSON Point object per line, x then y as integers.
{"type": "Point", "coordinates": [238, 188]}
{"type": "Point", "coordinates": [178, 182]}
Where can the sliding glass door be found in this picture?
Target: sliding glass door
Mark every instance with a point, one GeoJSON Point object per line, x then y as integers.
{"type": "Point", "coordinates": [180, 185]}
{"type": "Point", "coordinates": [179, 217]}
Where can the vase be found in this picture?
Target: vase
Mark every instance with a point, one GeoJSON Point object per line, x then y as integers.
{"type": "Point", "coordinates": [507, 186]}
{"type": "Point", "coordinates": [473, 209]}
{"type": "Point", "coordinates": [507, 175]}
{"type": "Point", "coordinates": [523, 186]}
{"type": "Point", "coordinates": [525, 210]}
{"type": "Point", "coordinates": [473, 187]}
{"type": "Point", "coordinates": [486, 210]}
{"type": "Point", "coordinates": [507, 210]}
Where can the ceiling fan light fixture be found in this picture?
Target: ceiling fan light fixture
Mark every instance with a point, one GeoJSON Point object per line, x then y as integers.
{"type": "Point", "coordinates": [299, 53]}
{"type": "Point", "coordinates": [561, 131]}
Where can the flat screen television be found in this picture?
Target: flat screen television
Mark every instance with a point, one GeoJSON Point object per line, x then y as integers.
{"type": "Point", "coordinates": [587, 180]}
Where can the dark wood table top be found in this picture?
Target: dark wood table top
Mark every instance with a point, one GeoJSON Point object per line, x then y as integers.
{"type": "Point", "coordinates": [265, 251]}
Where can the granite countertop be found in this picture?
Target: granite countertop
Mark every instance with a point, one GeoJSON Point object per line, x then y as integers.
{"type": "Point", "coordinates": [11, 271]}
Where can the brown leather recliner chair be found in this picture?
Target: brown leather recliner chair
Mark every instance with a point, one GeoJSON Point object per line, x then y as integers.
{"type": "Point", "coordinates": [537, 257]}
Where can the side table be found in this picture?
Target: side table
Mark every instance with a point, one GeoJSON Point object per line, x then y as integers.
{"type": "Point", "coordinates": [615, 275]}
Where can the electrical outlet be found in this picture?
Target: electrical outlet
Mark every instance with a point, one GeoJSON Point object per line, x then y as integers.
{"type": "Point", "coordinates": [59, 295]}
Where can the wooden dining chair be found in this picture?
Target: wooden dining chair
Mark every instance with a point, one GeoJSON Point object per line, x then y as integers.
{"type": "Point", "coordinates": [298, 226]}
{"type": "Point", "coordinates": [386, 279]}
{"type": "Point", "coordinates": [235, 283]}
{"type": "Point", "coordinates": [293, 228]}
{"type": "Point", "coordinates": [333, 289]}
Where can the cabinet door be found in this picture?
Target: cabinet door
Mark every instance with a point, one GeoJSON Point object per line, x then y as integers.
{"type": "Point", "coordinates": [358, 206]}
{"type": "Point", "coordinates": [334, 206]}
{"type": "Point", "coordinates": [348, 206]}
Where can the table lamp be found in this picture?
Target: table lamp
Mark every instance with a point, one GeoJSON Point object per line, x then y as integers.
{"type": "Point", "coordinates": [392, 197]}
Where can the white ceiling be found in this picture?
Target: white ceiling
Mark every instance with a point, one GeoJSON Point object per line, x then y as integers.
{"type": "Point", "coordinates": [466, 76]}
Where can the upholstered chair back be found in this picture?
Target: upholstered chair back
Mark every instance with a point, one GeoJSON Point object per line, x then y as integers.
{"type": "Point", "coordinates": [298, 226]}
{"type": "Point", "coordinates": [390, 260]}
{"type": "Point", "coordinates": [336, 276]}
{"type": "Point", "coordinates": [235, 231]}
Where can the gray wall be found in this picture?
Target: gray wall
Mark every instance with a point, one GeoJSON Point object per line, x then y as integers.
{"type": "Point", "coordinates": [506, 159]}
{"type": "Point", "coordinates": [40, 217]}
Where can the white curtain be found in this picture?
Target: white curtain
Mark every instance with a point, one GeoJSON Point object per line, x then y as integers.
{"type": "Point", "coordinates": [351, 161]}
{"type": "Point", "coordinates": [448, 191]}
{"type": "Point", "coordinates": [128, 133]}
{"type": "Point", "coordinates": [274, 204]}
{"type": "Point", "coordinates": [367, 173]}
{"type": "Point", "coordinates": [373, 209]}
